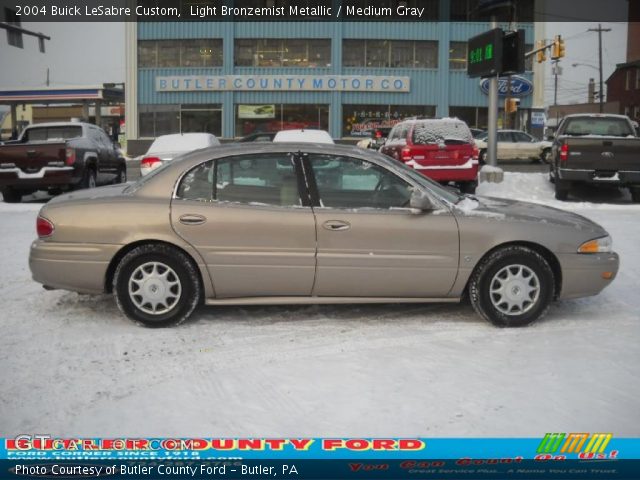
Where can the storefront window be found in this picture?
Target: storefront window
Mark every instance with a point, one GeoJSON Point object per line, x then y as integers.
{"type": "Point", "coordinates": [475, 117]}
{"type": "Point", "coordinates": [274, 52]}
{"type": "Point", "coordinates": [528, 61]}
{"type": "Point", "coordinates": [458, 56]}
{"type": "Point", "coordinates": [275, 117]}
{"type": "Point", "coordinates": [390, 53]}
{"type": "Point", "coordinates": [359, 120]}
{"type": "Point", "coordinates": [200, 52]}
{"type": "Point", "coordinates": [158, 120]}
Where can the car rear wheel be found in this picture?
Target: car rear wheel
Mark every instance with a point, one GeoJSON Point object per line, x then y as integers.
{"type": "Point", "coordinates": [546, 156]}
{"type": "Point", "coordinates": [9, 195]}
{"type": "Point", "coordinates": [483, 157]}
{"type": "Point", "coordinates": [562, 189]}
{"type": "Point", "coordinates": [468, 187]}
{"type": "Point", "coordinates": [121, 176]}
{"type": "Point", "coordinates": [88, 179]}
{"type": "Point", "coordinates": [157, 286]}
{"type": "Point", "coordinates": [512, 287]}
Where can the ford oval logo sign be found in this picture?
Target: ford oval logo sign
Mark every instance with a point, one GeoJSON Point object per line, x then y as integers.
{"type": "Point", "coordinates": [520, 86]}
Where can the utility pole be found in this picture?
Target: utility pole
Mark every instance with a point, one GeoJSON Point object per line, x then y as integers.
{"type": "Point", "coordinates": [555, 82]}
{"type": "Point", "coordinates": [601, 93]}
{"type": "Point", "coordinates": [492, 137]}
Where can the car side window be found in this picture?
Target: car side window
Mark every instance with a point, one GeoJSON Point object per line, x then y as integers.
{"type": "Point", "coordinates": [197, 184]}
{"type": "Point", "coordinates": [522, 137]}
{"type": "Point", "coordinates": [268, 179]}
{"type": "Point", "coordinates": [345, 182]}
{"type": "Point", "coordinates": [505, 137]}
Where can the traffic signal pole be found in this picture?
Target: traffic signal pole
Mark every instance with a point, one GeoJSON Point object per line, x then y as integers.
{"type": "Point", "coordinates": [492, 137]}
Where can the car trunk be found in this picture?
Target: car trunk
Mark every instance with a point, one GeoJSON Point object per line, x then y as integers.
{"type": "Point", "coordinates": [449, 153]}
{"type": "Point", "coordinates": [31, 157]}
{"type": "Point", "coordinates": [601, 153]}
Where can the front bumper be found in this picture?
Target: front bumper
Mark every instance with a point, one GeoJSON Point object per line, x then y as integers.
{"type": "Point", "coordinates": [583, 274]}
{"type": "Point", "coordinates": [621, 177]}
{"type": "Point", "coordinates": [80, 267]}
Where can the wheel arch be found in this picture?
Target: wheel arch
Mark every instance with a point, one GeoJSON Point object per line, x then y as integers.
{"type": "Point", "coordinates": [113, 264]}
{"type": "Point", "coordinates": [547, 254]}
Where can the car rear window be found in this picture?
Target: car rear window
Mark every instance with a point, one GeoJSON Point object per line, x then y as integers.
{"type": "Point", "coordinates": [436, 132]}
{"type": "Point", "coordinates": [50, 134]}
{"type": "Point", "coordinates": [610, 127]}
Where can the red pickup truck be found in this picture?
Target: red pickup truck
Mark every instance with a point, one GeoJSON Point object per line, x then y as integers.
{"type": "Point", "coordinates": [58, 157]}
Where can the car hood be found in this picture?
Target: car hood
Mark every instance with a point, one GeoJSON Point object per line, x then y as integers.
{"type": "Point", "coordinates": [91, 193]}
{"type": "Point", "coordinates": [515, 210]}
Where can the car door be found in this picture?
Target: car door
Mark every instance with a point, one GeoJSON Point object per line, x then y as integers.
{"type": "Point", "coordinates": [528, 147]}
{"type": "Point", "coordinates": [506, 146]}
{"type": "Point", "coordinates": [369, 243]}
{"type": "Point", "coordinates": [110, 152]}
{"type": "Point", "coordinates": [245, 216]}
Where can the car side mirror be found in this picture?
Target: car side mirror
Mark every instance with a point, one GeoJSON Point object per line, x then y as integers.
{"type": "Point", "coordinates": [420, 201]}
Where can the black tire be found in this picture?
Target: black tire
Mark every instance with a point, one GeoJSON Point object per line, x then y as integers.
{"type": "Point", "coordinates": [188, 295]}
{"type": "Point", "coordinates": [635, 194]}
{"type": "Point", "coordinates": [88, 179]}
{"type": "Point", "coordinates": [491, 267]}
{"type": "Point", "coordinates": [121, 176]}
{"type": "Point", "coordinates": [9, 195]}
{"type": "Point", "coordinates": [546, 156]}
{"type": "Point", "coordinates": [468, 187]}
{"type": "Point", "coordinates": [562, 190]}
{"type": "Point", "coordinates": [482, 157]}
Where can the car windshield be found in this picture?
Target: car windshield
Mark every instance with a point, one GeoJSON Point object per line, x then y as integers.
{"type": "Point", "coordinates": [604, 126]}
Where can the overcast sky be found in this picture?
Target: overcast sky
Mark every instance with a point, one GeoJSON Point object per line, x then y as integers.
{"type": "Point", "coordinates": [89, 53]}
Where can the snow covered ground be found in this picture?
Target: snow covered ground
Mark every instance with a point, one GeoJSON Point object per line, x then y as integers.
{"type": "Point", "coordinates": [73, 365]}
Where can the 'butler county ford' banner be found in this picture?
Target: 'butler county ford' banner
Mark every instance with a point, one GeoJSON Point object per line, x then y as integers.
{"type": "Point", "coordinates": [288, 83]}
{"type": "Point", "coordinates": [552, 456]}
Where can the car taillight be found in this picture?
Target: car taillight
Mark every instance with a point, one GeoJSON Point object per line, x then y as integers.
{"type": "Point", "coordinates": [150, 162]}
{"type": "Point", "coordinates": [405, 154]}
{"type": "Point", "coordinates": [378, 134]}
{"type": "Point", "coordinates": [70, 156]}
{"type": "Point", "coordinates": [564, 152]}
{"type": "Point", "coordinates": [476, 153]}
{"type": "Point", "coordinates": [44, 227]}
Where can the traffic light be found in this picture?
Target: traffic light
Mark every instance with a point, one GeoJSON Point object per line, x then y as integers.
{"type": "Point", "coordinates": [511, 105]}
{"type": "Point", "coordinates": [558, 49]}
{"type": "Point", "coordinates": [541, 56]}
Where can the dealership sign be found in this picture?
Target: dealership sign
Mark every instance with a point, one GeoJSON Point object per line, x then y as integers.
{"type": "Point", "coordinates": [285, 83]}
{"type": "Point", "coordinates": [520, 86]}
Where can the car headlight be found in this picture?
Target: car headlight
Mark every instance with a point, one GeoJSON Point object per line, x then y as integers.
{"type": "Point", "coordinates": [597, 245]}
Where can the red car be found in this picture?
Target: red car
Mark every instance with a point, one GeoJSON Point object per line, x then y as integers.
{"type": "Point", "coordinates": [442, 149]}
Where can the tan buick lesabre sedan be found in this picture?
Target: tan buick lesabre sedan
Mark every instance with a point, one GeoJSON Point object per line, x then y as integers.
{"type": "Point", "coordinates": [308, 223]}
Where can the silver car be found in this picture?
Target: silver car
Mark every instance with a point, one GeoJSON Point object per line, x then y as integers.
{"type": "Point", "coordinates": [269, 223]}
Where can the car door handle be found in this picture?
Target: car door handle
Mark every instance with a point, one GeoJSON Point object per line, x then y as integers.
{"type": "Point", "coordinates": [192, 219]}
{"type": "Point", "coordinates": [336, 225]}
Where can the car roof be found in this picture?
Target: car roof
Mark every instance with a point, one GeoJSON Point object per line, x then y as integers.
{"type": "Point", "coordinates": [182, 142]}
{"type": "Point", "coordinates": [62, 124]}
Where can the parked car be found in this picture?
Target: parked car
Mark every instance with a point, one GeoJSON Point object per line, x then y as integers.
{"type": "Point", "coordinates": [166, 147]}
{"type": "Point", "coordinates": [258, 137]}
{"type": "Point", "coordinates": [477, 132]}
{"type": "Point", "coordinates": [596, 149]}
{"type": "Point", "coordinates": [58, 157]}
{"type": "Point", "coordinates": [260, 223]}
{"type": "Point", "coordinates": [377, 137]}
{"type": "Point", "coordinates": [303, 135]}
{"type": "Point", "coordinates": [442, 149]}
{"type": "Point", "coordinates": [516, 145]}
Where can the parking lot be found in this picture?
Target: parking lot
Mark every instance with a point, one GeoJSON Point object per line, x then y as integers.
{"type": "Point", "coordinates": [73, 365]}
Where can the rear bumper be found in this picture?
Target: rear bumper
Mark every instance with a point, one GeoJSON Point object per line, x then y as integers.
{"type": "Point", "coordinates": [621, 177]}
{"type": "Point", "coordinates": [79, 267]}
{"type": "Point", "coordinates": [43, 178]}
{"type": "Point", "coordinates": [582, 274]}
{"type": "Point", "coordinates": [467, 172]}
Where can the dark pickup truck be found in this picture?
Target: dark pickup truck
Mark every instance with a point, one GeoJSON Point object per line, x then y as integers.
{"type": "Point", "coordinates": [599, 149]}
{"type": "Point", "coordinates": [58, 157]}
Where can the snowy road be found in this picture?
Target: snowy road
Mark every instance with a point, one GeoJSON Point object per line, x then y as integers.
{"type": "Point", "coordinates": [73, 365]}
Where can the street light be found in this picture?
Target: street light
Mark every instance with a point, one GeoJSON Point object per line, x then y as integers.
{"type": "Point", "coordinates": [585, 65]}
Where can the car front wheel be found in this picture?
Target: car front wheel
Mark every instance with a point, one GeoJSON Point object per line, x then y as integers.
{"type": "Point", "coordinates": [157, 286]}
{"type": "Point", "coordinates": [512, 287]}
